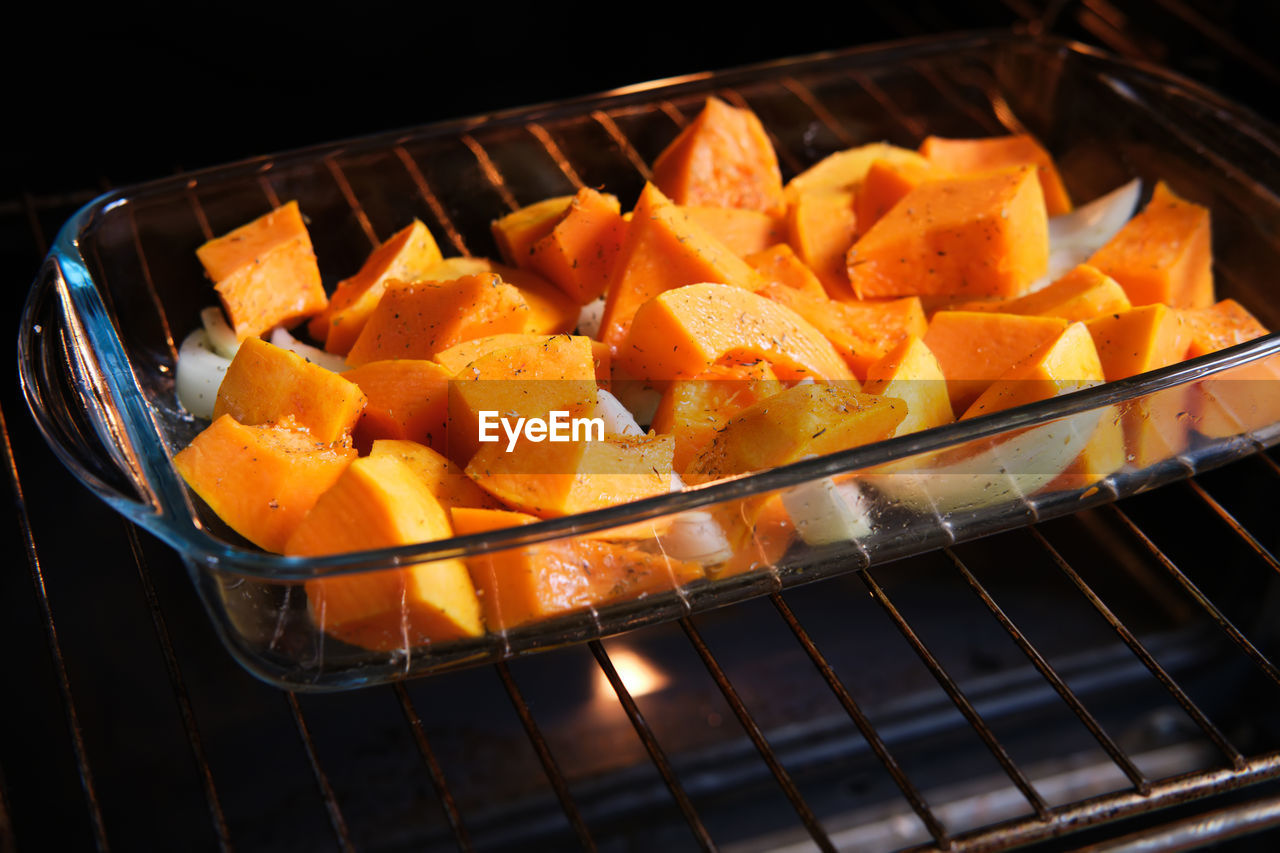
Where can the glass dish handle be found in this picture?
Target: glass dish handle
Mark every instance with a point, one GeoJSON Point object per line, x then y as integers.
{"type": "Point", "coordinates": [70, 395]}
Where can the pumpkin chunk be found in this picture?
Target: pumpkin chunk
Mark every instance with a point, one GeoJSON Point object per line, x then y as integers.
{"type": "Point", "coordinates": [260, 480]}
{"type": "Point", "coordinates": [1240, 399]}
{"type": "Point", "coordinates": [664, 250]}
{"type": "Point", "coordinates": [1163, 254]}
{"type": "Point", "coordinates": [848, 169]}
{"type": "Point", "coordinates": [968, 237]}
{"type": "Point", "coordinates": [266, 384]}
{"type": "Point", "coordinates": [265, 272]}
{"type": "Point", "coordinates": [578, 254]}
{"type": "Point", "coordinates": [911, 373]}
{"type": "Point", "coordinates": [448, 482]}
{"type": "Point", "coordinates": [722, 158]}
{"type": "Point", "coordinates": [887, 182]}
{"type": "Point", "coordinates": [1140, 339]}
{"type": "Point", "coordinates": [745, 232]}
{"type": "Point", "coordinates": [975, 348]}
{"type": "Point", "coordinates": [691, 410]}
{"type": "Point", "coordinates": [550, 480]}
{"type": "Point", "coordinates": [805, 420]}
{"type": "Point", "coordinates": [780, 264]}
{"type": "Point", "coordinates": [380, 502]}
{"type": "Point", "coordinates": [821, 226]}
{"type": "Point", "coordinates": [682, 332]}
{"type": "Point", "coordinates": [522, 585]}
{"type": "Point", "coordinates": [861, 332]}
{"type": "Point", "coordinates": [417, 320]}
{"type": "Point", "coordinates": [518, 231]}
{"type": "Point", "coordinates": [405, 256]}
{"type": "Point", "coordinates": [408, 398]}
{"type": "Point", "coordinates": [975, 156]}
{"type": "Point", "coordinates": [1064, 364]}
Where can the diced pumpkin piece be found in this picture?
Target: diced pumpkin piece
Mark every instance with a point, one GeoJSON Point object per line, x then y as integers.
{"type": "Point", "coordinates": [975, 348]}
{"type": "Point", "coordinates": [406, 256]}
{"type": "Point", "coordinates": [722, 158]}
{"type": "Point", "coordinates": [408, 398]}
{"type": "Point", "coordinates": [1064, 364]}
{"type": "Point", "coordinates": [664, 250]}
{"type": "Point", "coordinates": [446, 480]}
{"type": "Point", "coordinates": [266, 384]}
{"type": "Point", "coordinates": [518, 231]}
{"type": "Point", "coordinates": [805, 420]}
{"type": "Point", "coordinates": [418, 319]}
{"type": "Point", "coordinates": [976, 156]}
{"type": "Point", "coordinates": [579, 252]}
{"type": "Point", "coordinates": [551, 312]}
{"type": "Point", "coordinates": [379, 502]}
{"type": "Point", "coordinates": [529, 380]}
{"type": "Point", "coordinates": [886, 183]}
{"type": "Point", "coordinates": [1144, 338]}
{"type": "Point", "coordinates": [1240, 399]}
{"type": "Point", "coordinates": [761, 534]}
{"type": "Point", "coordinates": [522, 585]}
{"type": "Point", "coordinates": [457, 357]}
{"type": "Point", "coordinates": [744, 231]}
{"type": "Point", "coordinates": [910, 373]}
{"type": "Point", "coordinates": [550, 480]}
{"type": "Point", "coordinates": [821, 227]}
{"type": "Point", "coordinates": [1163, 254]}
{"type": "Point", "coordinates": [265, 272]}
{"type": "Point", "coordinates": [780, 264]}
{"type": "Point", "coordinates": [846, 170]}
{"type": "Point", "coordinates": [1103, 454]}
{"type": "Point", "coordinates": [260, 480]}
{"type": "Point", "coordinates": [1082, 294]}
{"type": "Point", "coordinates": [861, 332]}
{"type": "Point", "coordinates": [1220, 326]}
{"type": "Point", "coordinates": [692, 410]}
{"type": "Point", "coordinates": [966, 237]}
{"type": "Point", "coordinates": [682, 332]}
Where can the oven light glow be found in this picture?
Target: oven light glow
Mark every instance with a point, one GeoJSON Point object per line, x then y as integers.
{"type": "Point", "coordinates": [639, 675]}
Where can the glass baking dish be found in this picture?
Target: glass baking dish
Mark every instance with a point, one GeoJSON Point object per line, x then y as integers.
{"type": "Point", "coordinates": [122, 285]}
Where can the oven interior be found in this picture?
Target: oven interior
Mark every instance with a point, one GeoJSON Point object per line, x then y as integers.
{"type": "Point", "coordinates": [1095, 679]}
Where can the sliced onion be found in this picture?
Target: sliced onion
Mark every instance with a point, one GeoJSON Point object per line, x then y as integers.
{"type": "Point", "coordinates": [1075, 236]}
{"type": "Point", "coordinates": [825, 512]}
{"type": "Point", "coordinates": [618, 420]}
{"type": "Point", "coordinates": [697, 537]}
{"type": "Point", "coordinates": [327, 360]}
{"type": "Point", "coordinates": [590, 318]}
{"type": "Point", "coordinates": [199, 373]}
{"type": "Point", "coordinates": [222, 338]}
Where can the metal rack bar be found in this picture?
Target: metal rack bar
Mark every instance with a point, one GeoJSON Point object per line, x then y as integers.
{"type": "Point", "coordinates": [749, 725]}
{"type": "Point", "coordinates": [1193, 832]}
{"type": "Point", "coordinates": [1059, 686]}
{"type": "Point", "coordinates": [805, 96]}
{"type": "Point", "coordinates": [331, 806]}
{"type": "Point", "coordinates": [181, 695]}
{"type": "Point", "coordinates": [540, 133]}
{"type": "Point", "coordinates": [549, 765]}
{"type": "Point", "coordinates": [1236, 527]}
{"type": "Point", "coordinates": [433, 202]}
{"type": "Point", "coordinates": [1194, 591]}
{"type": "Point", "coordinates": [433, 768]}
{"type": "Point", "coordinates": [931, 821]}
{"type": "Point", "coordinates": [55, 647]}
{"type": "Point", "coordinates": [1178, 694]}
{"type": "Point", "coordinates": [956, 695]}
{"type": "Point", "coordinates": [651, 746]}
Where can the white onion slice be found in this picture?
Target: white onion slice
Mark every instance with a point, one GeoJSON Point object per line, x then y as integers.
{"type": "Point", "coordinates": [826, 513]}
{"type": "Point", "coordinates": [222, 338]}
{"type": "Point", "coordinates": [327, 360]}
{"type": "Point", "coordinates": [697, 537]}
{"type": "Point", "coordinates": [618, 420]}
{"type": "Point", "coordinates": [1075, 236]}
{"type": "Point", "coordinates": [590, 318]}
{"type": "Point", "coordinates": [199, 373]}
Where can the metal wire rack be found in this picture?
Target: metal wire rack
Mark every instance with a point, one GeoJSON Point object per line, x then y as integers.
{"type": "Point", "coordinates": [94, 766]}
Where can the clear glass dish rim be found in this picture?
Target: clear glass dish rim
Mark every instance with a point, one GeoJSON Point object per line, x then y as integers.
{"type": "Point", "coordinates": [168, 516]}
